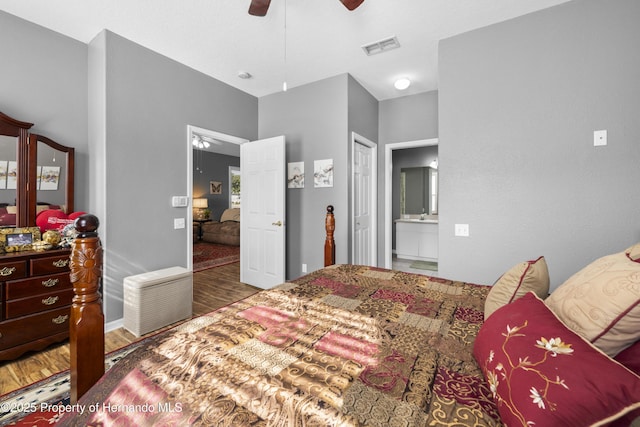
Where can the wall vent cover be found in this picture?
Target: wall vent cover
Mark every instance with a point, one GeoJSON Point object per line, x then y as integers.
{"type": "Point", "coordinates": [381, 46]}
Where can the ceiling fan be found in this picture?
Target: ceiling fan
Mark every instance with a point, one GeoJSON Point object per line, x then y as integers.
{"type": "Point", "coordinates": [260, 7]}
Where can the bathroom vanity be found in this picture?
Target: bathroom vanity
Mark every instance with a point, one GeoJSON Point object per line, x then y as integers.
{"type": "Point", "coordinates": [417, 238]}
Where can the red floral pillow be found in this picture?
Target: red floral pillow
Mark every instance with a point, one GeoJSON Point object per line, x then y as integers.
{"type": "Point", "coordinates": [630, 357]}
{"type": "Point", "coordinates": [541, 373]}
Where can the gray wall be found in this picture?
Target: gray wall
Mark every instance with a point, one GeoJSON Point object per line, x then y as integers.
{"type": "Point", "coordinates": [317, 120]}
{"type": "Point", "coordinates": [518, 104]}
{"type": "Point", "coordinates": [214, 167]}
{"type": "Point", "coordinates": [313, 119]}
{"type": "Point", "coordinates": [141, 129]}
{"type": "Point", "coordinates": [44, 81]}
{"type": "Point", "coordinates": [408, 118]}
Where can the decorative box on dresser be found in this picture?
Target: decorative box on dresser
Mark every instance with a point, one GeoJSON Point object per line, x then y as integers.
{"type": "Point", "coordinates": [35, 296]}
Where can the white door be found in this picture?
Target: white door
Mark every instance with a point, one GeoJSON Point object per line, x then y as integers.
{"type": "Point", "coordinates": [262, 216]}
{"type": "Point", "coordinates": [364, 241]}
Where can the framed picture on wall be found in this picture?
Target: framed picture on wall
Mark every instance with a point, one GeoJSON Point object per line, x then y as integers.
{"type": "Point", "coordinates": [323, 173]}
{"type": "Point", "coordinates": [38, 176]}
{"type": "Point", "coordinates": [215, 187]}
{"type": "Point", "coordinates": [50, 177]}
{"type": "Point", "coordinates": [295, 175]}
{"type": "Point", "coordinates": [12, 175]}
{"type": "Point", "coordinates": [3, 174]}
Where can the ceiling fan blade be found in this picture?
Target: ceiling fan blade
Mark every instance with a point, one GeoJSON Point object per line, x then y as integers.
{"type": "Point", "coordinates": [259, 7]}
{"type": "Point", "coordinates": [351, 4]}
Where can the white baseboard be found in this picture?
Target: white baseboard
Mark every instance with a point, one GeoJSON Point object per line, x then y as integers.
{"type": "Point", "coordinates": [113, 325]}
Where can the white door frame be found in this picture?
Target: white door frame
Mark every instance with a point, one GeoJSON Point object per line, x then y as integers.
{"type": "Point", "coordinates": [355, 138]}
{"type": "Point", "coordinates": [388, 182]}
{"type": "Point", "coordinates": [189, 216]}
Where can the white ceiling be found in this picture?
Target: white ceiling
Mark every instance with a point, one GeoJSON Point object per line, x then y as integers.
{"type": "Point", "coordinates": [323, 38]}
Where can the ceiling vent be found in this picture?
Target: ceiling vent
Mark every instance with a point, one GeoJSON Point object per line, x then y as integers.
{"type": "Point", "coordinates": [381, 46]}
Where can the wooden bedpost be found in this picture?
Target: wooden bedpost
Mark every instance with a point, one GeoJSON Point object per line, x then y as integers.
{"type": "Point", "coordinates": [329, 243]}
{"type": "Point", "coordinates": [86, 329]}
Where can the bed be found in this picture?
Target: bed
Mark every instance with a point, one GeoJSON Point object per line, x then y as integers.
{"type": "Point", "coordinates": [353, 345]}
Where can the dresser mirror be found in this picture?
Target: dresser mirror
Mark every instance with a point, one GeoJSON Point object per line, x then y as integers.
{"type": "Point", "coordinates": [13, 165]}
{"type": "Point", "coordinates": [35, 173]}
{"type": "Point", "coordinates": [51, 168]}
{"type": "Point", "coordinates": [8, 192]}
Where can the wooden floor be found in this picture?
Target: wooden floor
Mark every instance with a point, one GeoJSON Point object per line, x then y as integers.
{"type": "Point", "coordinates": [212, 289]}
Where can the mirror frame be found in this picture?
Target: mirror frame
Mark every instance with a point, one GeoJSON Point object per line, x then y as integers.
{"type": "Point", "coordinates": [27, 160]}
{"type": "Point", "coordinates": [32, 191]}
{"type": "Point", "coordinates": [12, 127]}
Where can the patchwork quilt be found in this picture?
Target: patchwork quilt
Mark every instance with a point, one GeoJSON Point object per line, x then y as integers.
{"type": "Point", "coordinates": [343, 346]}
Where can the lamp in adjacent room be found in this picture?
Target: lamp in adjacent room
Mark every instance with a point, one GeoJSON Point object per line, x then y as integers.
{"type": "Point", "coordinates": [201, 208]}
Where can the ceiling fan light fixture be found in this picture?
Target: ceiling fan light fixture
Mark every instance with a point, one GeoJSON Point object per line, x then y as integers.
{"type": "Point", "coordinates": [402, 83]}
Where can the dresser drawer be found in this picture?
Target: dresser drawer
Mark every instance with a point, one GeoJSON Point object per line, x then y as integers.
{"type": "Point", "coordinates": [28, 328]}
{"type": "Point", "coordinates": [23, 306]}
{"type": "Point", "coordinates": [13, 270]}
{"type": "Point", "coordinates": [36, 285]}
{"type": "Point", "coordinates": [49, 265]}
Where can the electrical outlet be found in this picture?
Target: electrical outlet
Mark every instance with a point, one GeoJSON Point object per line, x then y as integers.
{"type": "Point", "coordinates": [304, 268]}
{"type": "Point", "coordinates": [462, 230]}
{"type": "Point", "coordinates": [599, 138]}
{"type": "Point", "coordinates": [178, 223]}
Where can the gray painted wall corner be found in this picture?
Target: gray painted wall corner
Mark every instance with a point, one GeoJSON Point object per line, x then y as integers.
{"type": "Point", "coordinates": [519, 102]}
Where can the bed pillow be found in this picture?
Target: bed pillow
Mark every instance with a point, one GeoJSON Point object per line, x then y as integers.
{"type": "Point", "coordinates": [601, 302]}
{"type": "Point", "coordinates": [630, 357]}
{"type": "Point", "coordinates": [230, 215]}
{"type": "Point", "coordinates": [633, 253]}
{"type": "Point", "coordinates": [542, 373]}
{"type": "Point", "coordinates": [51, 219]}
{"type": "Point", "coordinates": [515, 283]}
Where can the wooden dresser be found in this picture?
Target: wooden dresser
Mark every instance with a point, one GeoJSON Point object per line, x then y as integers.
{"type": "Point", "coordinates": [35, 300]}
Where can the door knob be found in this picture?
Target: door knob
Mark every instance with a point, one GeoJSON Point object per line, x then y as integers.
{"type": "Point", "coordinates": [278, 223]}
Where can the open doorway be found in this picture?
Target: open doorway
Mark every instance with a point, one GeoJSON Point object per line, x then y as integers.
{"type": "Point", "coordinates": [416, 243]}
{"type": "Point", "coordinates": [214, 165]}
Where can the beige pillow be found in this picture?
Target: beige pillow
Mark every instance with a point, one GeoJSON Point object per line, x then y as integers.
{"type": "Point", "coordinates": [12, 209]}
{"type": "Point", "coordinates": [601, 302]}
{"type": "Point", "coordinates": [230, 215]}
{"type": "Point", "coordinates": [529, 276]}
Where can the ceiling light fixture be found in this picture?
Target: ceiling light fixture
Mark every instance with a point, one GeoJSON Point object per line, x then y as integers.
{"type": "Point", "coordinates": [402, 83]}
{"type": "Point", "coordinates": [244, 75]}
{"type": "Point", "coordinates": [198, 142]}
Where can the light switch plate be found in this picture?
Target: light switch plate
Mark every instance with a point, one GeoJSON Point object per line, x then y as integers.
{"type": "Point", "coordinates": [462, 230]}
{"type": "Point", "coordinates": [179, 201]}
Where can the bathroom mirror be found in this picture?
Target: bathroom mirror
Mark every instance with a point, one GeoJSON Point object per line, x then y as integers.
{"type": "Point", "coordinates": [418, 191]}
